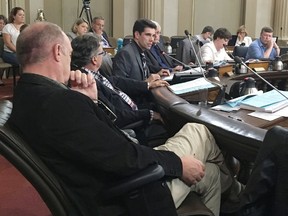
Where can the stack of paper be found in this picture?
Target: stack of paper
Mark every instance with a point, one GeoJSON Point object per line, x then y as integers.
{"type": "Point", "coordinates": [191, 86]}
{"type": "Point", "coordinates": [271, 101]}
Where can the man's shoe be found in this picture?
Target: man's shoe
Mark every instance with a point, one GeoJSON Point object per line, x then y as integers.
{"type": "Point", "coordinates": [231, 203]}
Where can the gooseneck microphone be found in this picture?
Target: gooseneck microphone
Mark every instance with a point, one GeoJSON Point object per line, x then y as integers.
{"type": "Point", "coordinates": [221, 94]}
{"type": "Point", "coordinates": [237, 59]}
{"type": "Point", "coordinates": [194, 51]}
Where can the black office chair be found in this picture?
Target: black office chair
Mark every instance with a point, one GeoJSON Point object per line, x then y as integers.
{"type": "Point", "coordinates": [240, 51]}
{"type": "Point", "coordinates": [127, 39]}
{"type": "Point", "coordinates": [144, 194]}
{"type": "Point", "coordinates": [266, 190]}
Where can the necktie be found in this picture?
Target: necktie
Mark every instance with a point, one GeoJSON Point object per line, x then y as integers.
{"type": "Point", "coordinates": [145, 67]}
{"type": "Point", "coordinates": [108, 84]}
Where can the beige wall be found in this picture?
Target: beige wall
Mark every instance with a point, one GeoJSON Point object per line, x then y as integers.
{"type": "Point", "coordinates": [259, 13]}
{"type": "Point", "coordinates": [174, 15]}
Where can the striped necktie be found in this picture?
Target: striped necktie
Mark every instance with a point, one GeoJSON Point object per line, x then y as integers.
{"type": "Point", "coordinates": [145, 67]}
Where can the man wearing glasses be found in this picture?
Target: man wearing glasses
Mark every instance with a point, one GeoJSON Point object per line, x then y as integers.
{"type": "Point", "coordinates": [214, 52]}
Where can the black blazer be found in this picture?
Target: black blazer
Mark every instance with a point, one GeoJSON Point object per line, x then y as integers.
{"type": "Point", "coordinates": [128, 63]}
{"type": "Point", "coordinates": [77, 141]}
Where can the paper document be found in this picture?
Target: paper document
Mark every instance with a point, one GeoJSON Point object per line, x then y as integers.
{"type": "Point", "coordinates": [191, 86]}
{"type": "Point", "coordinates": [267, 102]}
{"type": "Point", "coordinates": [192, 71]}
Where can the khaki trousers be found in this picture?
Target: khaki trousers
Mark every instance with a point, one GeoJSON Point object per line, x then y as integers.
{"type": "Point", "coordinates": [195, 139]}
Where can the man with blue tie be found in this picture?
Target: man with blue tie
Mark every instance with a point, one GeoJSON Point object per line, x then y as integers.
{"type": "Point", "coordinates": [97, 26]}
{"type": "Point", "coordinates": [157, 61]}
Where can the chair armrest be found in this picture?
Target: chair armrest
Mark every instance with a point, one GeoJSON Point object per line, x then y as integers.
{"type": "Point", "coordinates": [145, 176]}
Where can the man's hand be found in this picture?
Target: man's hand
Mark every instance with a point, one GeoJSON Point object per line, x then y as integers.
{"type": "Point", "coordinates": [193, 170]}
{"type": "Point", "coordinates": [157, 83]}
{"type": "Point", "coordinates": [164, 72]}
{"type": "Point", "coordinates": [178, 68]}
{"type": "Point", "coordinates": [84, 83]}
{"type": "Point", "coordinates": [153, 77]}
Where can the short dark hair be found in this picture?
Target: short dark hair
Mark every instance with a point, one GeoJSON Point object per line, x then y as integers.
{"type": "Point", "coordinates": [2, 17]}
{"type": "Point", "coordinates": [84, 48]}
{"type": "Point", "coordinates": [207, 29]}
{"type": "Point", "coordinates": [141, 24]}
{"type": "Point", "coordinates": [97, 18]}
{"type": "Point", "coordinates": [222, 33]}
{"type": "Point", "coordinates": [266, 29]}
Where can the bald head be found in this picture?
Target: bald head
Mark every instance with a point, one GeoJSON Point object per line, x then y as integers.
{"type": "Point", "coordinates": [35, 42]}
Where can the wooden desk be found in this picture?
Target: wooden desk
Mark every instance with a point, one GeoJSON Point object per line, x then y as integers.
{"type": "Point", "coordinates": [242, 115]}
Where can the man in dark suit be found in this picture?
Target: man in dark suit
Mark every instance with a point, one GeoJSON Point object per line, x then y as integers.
{"type": "Point", "coordinates": [118, 92]}
{"type": "Point", "coordinates": [131, 61]}
{"type": "Point", "coordinates": [84, 149]}
{"type": "Point", "coordinates": [97, 26]}
{"type": "Point", "coordinates": [157, 61]}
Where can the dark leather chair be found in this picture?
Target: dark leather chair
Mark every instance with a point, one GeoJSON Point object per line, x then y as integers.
{"type": "Point", "coordinates": [137, 193]}
{"type": "Point", "coordinates": [127, 39]}
{"type": "Point", "coordinates": [266, 191]}
{"type": "Point", "coordinates": [240, 51]}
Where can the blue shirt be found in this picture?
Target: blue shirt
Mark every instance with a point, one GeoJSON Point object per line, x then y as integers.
{"type": "Point", "coordinates": [256, 51]}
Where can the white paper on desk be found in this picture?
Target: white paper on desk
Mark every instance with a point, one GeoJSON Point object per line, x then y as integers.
{"type": "Point", "coordinates": [264, 115]}
{"type": "Point", "coordinates": [191, 86]}
{"type": "Point", "coordinates": [225, 108]}
{"type": "Point", "coordinates": [270, 116]}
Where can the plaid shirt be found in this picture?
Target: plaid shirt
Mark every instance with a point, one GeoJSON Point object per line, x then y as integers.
{"type": "Point", "coordinates": [107, 83]}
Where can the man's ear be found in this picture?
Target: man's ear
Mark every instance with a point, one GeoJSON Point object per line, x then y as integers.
{"type": "Point", "coordinates": [57, 52]}
{"type": "Point", "coordinates": [136, 34]}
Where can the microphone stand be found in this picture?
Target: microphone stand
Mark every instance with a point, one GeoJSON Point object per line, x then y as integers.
{"type": "Point", "coordinates": [221, 94]}
{"type": "Point", "coordinates": [194, 51]}
{"type": "Point", "coordinates": [239, 60]}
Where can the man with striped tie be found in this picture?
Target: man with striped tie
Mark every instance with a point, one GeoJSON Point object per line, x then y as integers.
{"type": "Point", "coordinates": [116, 92]}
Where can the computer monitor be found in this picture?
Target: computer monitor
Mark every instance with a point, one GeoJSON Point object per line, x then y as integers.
{"type": "Point", "coordinates": [175, 41]}
{"type": "Point", "coordinates": [232, 41]}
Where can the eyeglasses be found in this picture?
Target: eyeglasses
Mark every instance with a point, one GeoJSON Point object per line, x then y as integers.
{"type": "Point", "coordinates": [102, 53]}
{"type": "Point", "coordinates": [226, 39]}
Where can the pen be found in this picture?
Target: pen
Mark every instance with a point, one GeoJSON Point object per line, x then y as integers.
{"type": "Point", "coordinates": [235, 118]}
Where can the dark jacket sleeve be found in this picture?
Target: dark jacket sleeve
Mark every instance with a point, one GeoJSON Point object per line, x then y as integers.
{"type": "Point", "coordinates": [121, 64]}
{"type": "Point", "coordinates": [131, 87]}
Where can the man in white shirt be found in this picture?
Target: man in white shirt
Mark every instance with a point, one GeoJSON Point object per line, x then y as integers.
{"type": "Point", "coordinates": [214, 52]}
{"type": "Point", "coordinates": [205, 35]}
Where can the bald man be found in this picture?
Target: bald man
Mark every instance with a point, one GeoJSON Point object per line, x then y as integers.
{"type": "Point", "coordinates": [81, 145]}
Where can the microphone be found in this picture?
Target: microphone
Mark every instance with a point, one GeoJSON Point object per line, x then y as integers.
{"type": "Point", "coordinates": [237, 59]}
{"type": "Point", "coordinates": [187, 32]}
{"type": "Point", "coordinates": [194, 51]}
{"type": "Point", "coordinates": [182, 63]}
{"type": "Point", "coordinates": [221, 94]}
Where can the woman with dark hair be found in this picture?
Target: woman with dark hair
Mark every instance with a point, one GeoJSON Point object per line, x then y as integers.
{"type": "Point", "coordinates": [10, 33]}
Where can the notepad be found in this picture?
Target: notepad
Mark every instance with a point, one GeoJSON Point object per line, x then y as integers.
{"type": "Point", "coordinates": [271, 101]}
{"type": "Point", "coordinates": [191, 86]}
